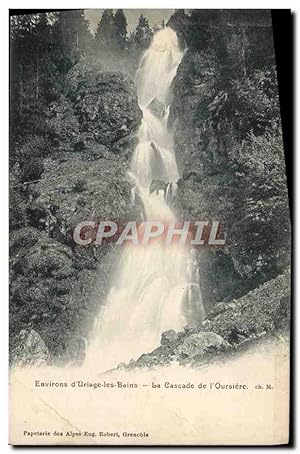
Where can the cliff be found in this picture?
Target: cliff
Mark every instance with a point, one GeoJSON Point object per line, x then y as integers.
{"type": "Point", "coordinates": [56, 285]}
{"type": "Point", "coordinates": [228, 143]}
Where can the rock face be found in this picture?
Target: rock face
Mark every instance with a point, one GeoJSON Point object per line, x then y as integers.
{"type": "Point", "coordinates": [29, 349]}
{"type": "Point", "coordinates": [199, 344]}
{"type": "Point", "coordinates": [228, 144]}
{"type": "Point", "coordinates": [57, 285]}
{"type": "Point", "coordinates": [105, 104]}
{"type": "Point", "coordinates": [264, 311]}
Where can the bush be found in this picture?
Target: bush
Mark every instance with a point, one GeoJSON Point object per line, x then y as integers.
{"type": "Point", "coordinates": [32, 169]}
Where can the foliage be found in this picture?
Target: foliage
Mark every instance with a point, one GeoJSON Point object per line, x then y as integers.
{"type": "Point", "coordinates": [106, 32]}
{"type": "Point", "coordinates": [121, 29]}
{"type": "Point", "coordinates": [139, 40]}
{"type": "Point", "coordinates": [228, 137]}
{"type": "Point", "coordinates": [58, 79]}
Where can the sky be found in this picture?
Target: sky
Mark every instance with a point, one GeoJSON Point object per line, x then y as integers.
{"type": "Point", "coordinates": [155, 16]}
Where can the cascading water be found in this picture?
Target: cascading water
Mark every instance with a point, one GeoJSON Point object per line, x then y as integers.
{"type": "Point", "coordinates": [152, 290]}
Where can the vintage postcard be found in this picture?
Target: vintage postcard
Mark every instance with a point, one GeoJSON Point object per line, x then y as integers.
{"type": "Point", "coordinates": [149, 229]}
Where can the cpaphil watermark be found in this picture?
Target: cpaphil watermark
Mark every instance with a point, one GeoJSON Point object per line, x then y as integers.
{"type": "Point", "coordinates": [188, 233]}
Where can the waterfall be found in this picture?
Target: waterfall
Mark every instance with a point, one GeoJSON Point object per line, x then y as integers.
{"type": "Point", "coordinates": [170, 192]}
{"type": "Point", "coordinates": [150, 283]}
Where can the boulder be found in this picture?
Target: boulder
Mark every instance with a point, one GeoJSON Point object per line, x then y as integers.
{"type": "Point", "coordinates": [157, 185]}
{"type": "Point", "coordinates": [200, 344]}
{"type": "Point", "coordinates": [29, 349]}
{"type": "Point", "coordinates": [169, 337]}
{"type": "Point", "coordinates": [157, 108]}
{"type": "Point", "coordinates": [105, 103]}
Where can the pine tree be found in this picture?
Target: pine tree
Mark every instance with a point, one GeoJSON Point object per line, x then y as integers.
{"type": "Point", "coordinates": [43, 49]}
{"type": "Point", "coordinates": [143, 33]}
{"type": "Point", "coordinates": [138, 42]}
{"type": "Point", "coordinates": [120, 29]}
{"type": "Point", "coordinates": [79, 30]}
{"type": "Point", "coordinates": [30, 38]}
{"type": "Point", "coordinates": [106, 33]}
{"type": "Point", "coordinates": [72, 29]}
{"type": "Point", "coordinates": [62, 49]}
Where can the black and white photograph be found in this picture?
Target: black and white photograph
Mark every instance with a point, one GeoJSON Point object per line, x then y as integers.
{"type": "Point", "coordinates": [149, 228]}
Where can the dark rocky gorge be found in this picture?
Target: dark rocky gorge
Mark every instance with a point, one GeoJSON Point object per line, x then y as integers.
{"type": "Point", "coordinates": [228, 145]}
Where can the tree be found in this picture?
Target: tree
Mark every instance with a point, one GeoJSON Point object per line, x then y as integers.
{"type": "Point", "coordinates": [105, 33]}
{"type": "Point", "coordinates": [73, 35]}
{"type": "Point", "coordinates": [30, 39]}
{"type": "Point", "coordinates": [143, 33]}
{"type": "Point", "coordinates": [120, 29]}
{"type": "Point", "coordinates": [138, 42]}
{"type": "Point", "coordinates": [43, 49]}
{"type": "Point", "coordinates": [21, 25]}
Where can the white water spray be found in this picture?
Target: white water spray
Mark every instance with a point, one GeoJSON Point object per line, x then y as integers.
{"type": "Point", "coordinates": [151, 284]}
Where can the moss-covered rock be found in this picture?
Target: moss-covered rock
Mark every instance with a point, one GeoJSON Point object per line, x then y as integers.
{"type": "Point", "coordinates": [228, 145]}
{"type": "Point", "coordinates": [29, 349]}
{"type": "Point", "coordinates": [105, 104]}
